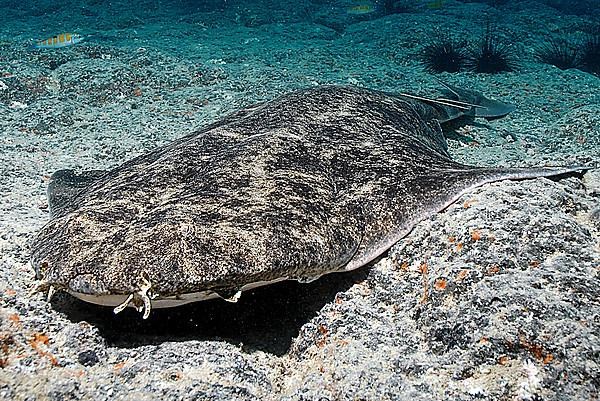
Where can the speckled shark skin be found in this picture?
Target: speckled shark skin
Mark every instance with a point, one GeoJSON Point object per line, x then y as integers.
{"type": "Point", "coordinates": [314, 182]}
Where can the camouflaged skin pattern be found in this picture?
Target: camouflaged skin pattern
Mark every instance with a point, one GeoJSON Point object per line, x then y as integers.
{"type": "Point", "coordinates": [315, 181]}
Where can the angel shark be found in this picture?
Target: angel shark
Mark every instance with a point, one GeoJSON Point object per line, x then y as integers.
{"type": "Point", "coordinates": [316, 181]}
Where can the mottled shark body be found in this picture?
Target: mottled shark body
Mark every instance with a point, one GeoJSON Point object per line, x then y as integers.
{"type": "Point", "coordinates": [317, 181]}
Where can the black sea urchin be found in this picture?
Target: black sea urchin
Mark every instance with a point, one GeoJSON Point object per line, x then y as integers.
{"type": "Point", "coordinates": [491, 56]}
{"type": "Point", "coordinates": [558, 53]}
{"type": "Point", "coordinates": [446, 55]}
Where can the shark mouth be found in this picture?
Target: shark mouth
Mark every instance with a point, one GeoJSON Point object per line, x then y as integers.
{"type": "Point", "coordinates": [144, 301]}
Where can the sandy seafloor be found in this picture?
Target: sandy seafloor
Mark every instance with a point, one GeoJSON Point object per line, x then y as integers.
{"type": "Point", "coordinates": [518, 316]}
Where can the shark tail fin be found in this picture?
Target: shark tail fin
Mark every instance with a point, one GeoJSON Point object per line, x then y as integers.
{"type": "Point", "coordinates": [489, 109]}
{"type": "Point", "coordinates": [457, 102]}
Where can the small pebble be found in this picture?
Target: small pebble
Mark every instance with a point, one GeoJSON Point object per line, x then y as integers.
{"type": "Point", "coordinates": [88, 358]}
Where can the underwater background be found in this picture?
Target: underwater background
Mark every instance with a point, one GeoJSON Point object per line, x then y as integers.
{"type": "Point", "coordinates": [92, 84]}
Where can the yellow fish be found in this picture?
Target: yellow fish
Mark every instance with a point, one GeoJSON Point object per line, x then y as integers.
{"type": "Point", "coordinates": [361, 9]}
{"type": "Point", "coordinates": [62, 40]}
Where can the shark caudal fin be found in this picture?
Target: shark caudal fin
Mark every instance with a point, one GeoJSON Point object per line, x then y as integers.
{"type": "Point", "coordinates": [482, 106]}
{"type": "Point", "coordinates": [457, 102]}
